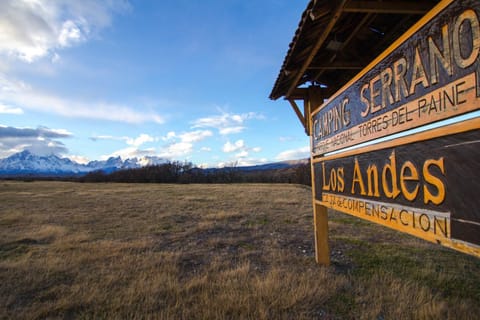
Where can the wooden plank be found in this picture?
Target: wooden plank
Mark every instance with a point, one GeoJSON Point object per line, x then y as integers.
{"type": "Point", "coordinates": [388, 7]}
{"type": "Point", "coordinates": [298, 94]}
{"type": "Point", "coordinates": [337, 65]}
{"type": "Point", "coordinates": [430, 74]}
{"type": "Point", "coordinates": [432, 195]}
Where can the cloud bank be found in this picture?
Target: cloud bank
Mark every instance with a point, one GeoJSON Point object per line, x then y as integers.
{"type": "Point", "coordinates": [41, 141]}
{"type": "Point", "coordinates": [294, 154]}
{"type": "Point", "coordinates": [22, 94]}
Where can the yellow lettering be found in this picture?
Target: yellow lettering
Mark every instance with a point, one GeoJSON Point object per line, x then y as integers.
{"type": "Point", "coordinates": [413, 176]}
{"type": "Point", "coordinates": [325, 186]}
{"type": "Point", "coordinates": [399, 71]}
{"type": "Point", "coordinates": [418, 73]}
{"type": "Point", "coordinates": [357, 178]}
{"type": "Point", "coordinates": [374, 93]}
{"type": "Point", "coordinates": [428, 195]}
{"type": "Point", "coordinates": [470, 17]}
{"type": "Point", "coordinates": [364, 100]}
{"type": "Point", "coordinates": [390, 168]}
{"type": "Point", "coordinates": [372, 181]}
{"type": "Point", "coordinates": [437, 56]}
{"type": "Point", "coordinates": [346, 113]}
{"type": "Point", "coordinates": [387, 78]}
{"type": "Point", "coordinates": [341, 181]}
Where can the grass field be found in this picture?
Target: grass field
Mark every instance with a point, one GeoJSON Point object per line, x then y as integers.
{"type": "Point", "coordinates": [245, 251]}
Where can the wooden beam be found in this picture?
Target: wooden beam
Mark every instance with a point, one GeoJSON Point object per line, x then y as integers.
{"type": "Point", "coordinates": [320, 222]}
{"type": "Point", "coordinates": [320, 213]}
{"type": "Point", "coordinates": [298, 112]}
{"type": "Point", "coordinates": [333, 20]}
{"type": "Point", "coordinates": [298, 94]}
{"type": "Point", "coordinates": [388, 7]}
{"type": "Point", "coordinates": [338, 65]}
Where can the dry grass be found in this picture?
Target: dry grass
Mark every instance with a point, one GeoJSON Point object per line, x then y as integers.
{"type": "Point", "coordinates": [212, 252]}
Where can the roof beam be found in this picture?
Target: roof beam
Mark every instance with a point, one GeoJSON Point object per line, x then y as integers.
{"type": "Point", "coordinates": [388, 7]}
{"type": "Point", "coordinates": [299, 94]}
{"type": "Point", "coordinates": [333, 20]}
{"type": "Point", "coordinates": [340, 65]}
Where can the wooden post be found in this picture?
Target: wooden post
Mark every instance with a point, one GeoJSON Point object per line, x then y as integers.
{"type": "Point", "coordinates": [320, 220]}
{"type": "Point", "coordinates": [320, 214]}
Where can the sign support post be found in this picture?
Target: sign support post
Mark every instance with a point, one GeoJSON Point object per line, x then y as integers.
{"type": "Point", "coordinates": [320, 212]}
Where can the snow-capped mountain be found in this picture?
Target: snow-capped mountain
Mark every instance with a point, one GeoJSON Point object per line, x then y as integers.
{"type": "Point", "coordinates": [27, 163]}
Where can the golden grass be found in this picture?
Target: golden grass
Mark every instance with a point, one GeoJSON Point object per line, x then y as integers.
{"type": "Point", "coordinates": [146, 251]}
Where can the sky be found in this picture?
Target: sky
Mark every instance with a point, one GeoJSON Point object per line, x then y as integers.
{"type": "Point", "coordinates": [185, 80]}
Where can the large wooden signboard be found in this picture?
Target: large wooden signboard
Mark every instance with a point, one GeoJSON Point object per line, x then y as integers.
{"type": "Point", "coordinates": [425, 184]}
{"type": "Point", "coordinates": [431, 73]}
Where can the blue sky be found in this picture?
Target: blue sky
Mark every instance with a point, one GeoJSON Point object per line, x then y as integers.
{"type": "Point", "coordinates": [186, 80]}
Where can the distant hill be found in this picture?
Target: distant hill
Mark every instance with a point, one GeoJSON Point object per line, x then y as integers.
{"type": "Point", "coordinates": [27, 163]}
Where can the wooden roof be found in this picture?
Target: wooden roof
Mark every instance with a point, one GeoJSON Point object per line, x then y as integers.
{"type": "Point", "coordinates": [336, 39]}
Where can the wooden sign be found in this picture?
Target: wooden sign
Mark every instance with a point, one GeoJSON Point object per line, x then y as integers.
{"type": "Point", "coordinates": [431, 73]}
{"type": "Point", "coordinates": [424, 186]}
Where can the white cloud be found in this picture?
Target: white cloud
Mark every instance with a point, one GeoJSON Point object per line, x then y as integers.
{"type": "Point", "coordinates": [70, 33]}
{"type": "Point", "coordinates": [170, 135]}
{"type": "Point", "coordinates": [295, 154]}
{"type": "Point", "coordinates": [239, 145]}
{"type": "Point", "coordinates": [226, 123]}
{"type": "Point", "coordinates": [34, 29]}
{"type": "Point", "coordinates": [206, 149]}
{"type": "Point", "coordinates": [242, 154]}
{"type": "Point", "coordinates": [9, 110]}
{"type": "Point", "coordinates": [79, 159]}
{"type": "Point", "coordinates": [141, 139]}
{"type": "Point", "coordinates": [233, 147]}
{"type": "Point", "coordinates": [195, 136]}
{"type": "Point", "coordinates": [183, 144]}
{"type": "Point", "coordinates": [251, 162]}
{"type": "Point", "coordinates": [136, 142]}
{"type": "Point", "coordinates": [230, 130]}
{"type": "Point", "coordinates": [130, 152]}
{"type": "Point", "coordinates": [177, 150]}
{"type": "Point", "coordinates": [242, 162]}
{"type": "Point", "coordinates": [106, 137]}
{"type": "Point", "coordinates": [133, 150]}
{"type": "Point", "coordinates": [20, 93]}
{"type": "Point", "coordinates": [180, 146]}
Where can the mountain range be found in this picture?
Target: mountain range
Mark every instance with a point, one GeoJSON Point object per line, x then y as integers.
{"type": "Point", "coordinates": [27, 163]}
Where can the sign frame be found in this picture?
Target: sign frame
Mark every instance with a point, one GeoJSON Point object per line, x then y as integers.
{"type": "Point", "coordinates": [338, 135]}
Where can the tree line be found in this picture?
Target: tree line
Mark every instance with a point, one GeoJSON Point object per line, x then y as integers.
{"type": "Point", "coordinates": [186, 172]}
